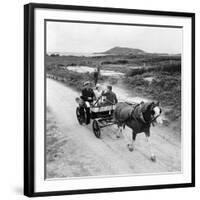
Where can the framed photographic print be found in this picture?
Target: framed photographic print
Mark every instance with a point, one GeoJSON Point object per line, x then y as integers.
{"type": "Point", "coordinates": [108, 99]}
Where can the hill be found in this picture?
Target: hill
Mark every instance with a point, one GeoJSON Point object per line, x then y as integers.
{"type": "Point", "coordinates": [124, 51]}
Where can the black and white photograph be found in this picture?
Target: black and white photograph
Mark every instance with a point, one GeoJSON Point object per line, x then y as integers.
{"type": "Point", "coordinates": [113, 99]}
{"type": "Point", "coordinates": [109, 101]}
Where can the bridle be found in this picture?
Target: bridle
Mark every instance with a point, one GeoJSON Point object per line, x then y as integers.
{"type": "Point", "coordinates": [142, 116]}
{"type": "Point", "coordinates": [154, 119]}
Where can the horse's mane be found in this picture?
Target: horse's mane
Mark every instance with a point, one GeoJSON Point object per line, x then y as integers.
{"type": "Point", "coordinates": [145, 106]}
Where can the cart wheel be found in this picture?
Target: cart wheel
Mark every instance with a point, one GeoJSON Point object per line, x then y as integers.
{"type": "Point", "coordinates": [79, 117]}
{"type": "Point", "coordinates": [96, 128]}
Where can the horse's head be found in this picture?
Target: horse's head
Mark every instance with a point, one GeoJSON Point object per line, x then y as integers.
{"type": "Point", "coordinates": [152, 113]}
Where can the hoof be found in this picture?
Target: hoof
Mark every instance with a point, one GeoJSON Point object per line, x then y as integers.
{"type": "Point", "coordinates": [130, 148]}
{"type": "Point", "coordinates": [153, 158]}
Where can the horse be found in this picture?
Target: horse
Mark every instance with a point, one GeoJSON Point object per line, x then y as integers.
{"type": "Point", "coordinates": [139, 118]}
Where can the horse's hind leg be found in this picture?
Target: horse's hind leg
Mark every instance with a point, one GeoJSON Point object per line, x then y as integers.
{"type": "Point", "coordinates": [153, 157]}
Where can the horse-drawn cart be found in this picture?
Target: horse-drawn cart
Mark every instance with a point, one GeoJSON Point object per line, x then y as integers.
{"type": "Point", "coordinates": [138, 117]}
{"type": "Point", "coordinates": [100, 114]}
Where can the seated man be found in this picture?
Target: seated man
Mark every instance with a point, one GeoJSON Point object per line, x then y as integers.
{"type": "Point", "coordinates": [87, 93]}
{"type": "Point", "coordinates": [88, 96]}
{"type": "Point", "coordinates": [110, 96]}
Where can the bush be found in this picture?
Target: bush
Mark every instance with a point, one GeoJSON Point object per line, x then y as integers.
{"type": "Point", "coordinates": [54, 55]}
{"type": "Point", "coordinates": [137, 81]}
{"type": "Point", "coordinates": [115, 62]}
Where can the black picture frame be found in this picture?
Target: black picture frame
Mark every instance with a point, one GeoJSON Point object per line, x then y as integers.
{"type": "Point", "coordinates": [29, 95]}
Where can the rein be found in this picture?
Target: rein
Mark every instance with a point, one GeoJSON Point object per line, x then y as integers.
{"type": "Point", "coordinates": [154, 119]}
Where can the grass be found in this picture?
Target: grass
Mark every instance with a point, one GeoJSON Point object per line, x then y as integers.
{"type": "Point", "coordinates": [76, 80]}
{"type": "Point", "coordinates": [125, 60]}
{"type": "Point", "coordinates": [164, 87]}
{"type": "Point", "coordinates": [169, 67]}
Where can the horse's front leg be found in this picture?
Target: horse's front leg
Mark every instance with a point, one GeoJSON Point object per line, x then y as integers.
{"type": "Point", "coordinates": [119, 132]}
{"type": "Point", "coordinates": [131, 143]}
{"type": "Point", "coordinates": [153, 157]}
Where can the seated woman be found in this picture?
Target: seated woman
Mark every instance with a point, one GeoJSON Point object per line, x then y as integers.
{"type": "Point", "coordinates": [98, 94]}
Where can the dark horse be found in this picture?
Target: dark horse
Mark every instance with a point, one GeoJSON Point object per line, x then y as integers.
{"type": "Point", "coordinates": [139, 118]}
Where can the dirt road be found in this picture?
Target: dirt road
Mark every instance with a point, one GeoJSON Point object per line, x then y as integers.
{"type": "Point", "coordinates": [82, 154]}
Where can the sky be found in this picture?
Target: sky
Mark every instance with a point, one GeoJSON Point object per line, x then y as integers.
{"type": "Point", "coordinates": [89, 38]}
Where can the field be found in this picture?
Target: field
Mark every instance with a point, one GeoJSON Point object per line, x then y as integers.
{"type": "Point", "coordinates": [152, 76]}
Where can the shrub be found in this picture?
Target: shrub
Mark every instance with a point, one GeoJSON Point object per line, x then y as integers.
{"type": "Point", "coordinates": [54, 55]}
{"type": "Point", "coordinates": [115, 62]}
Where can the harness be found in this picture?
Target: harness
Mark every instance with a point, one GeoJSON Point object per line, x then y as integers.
{"type": "Point", "coordinates": [141, 117]}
